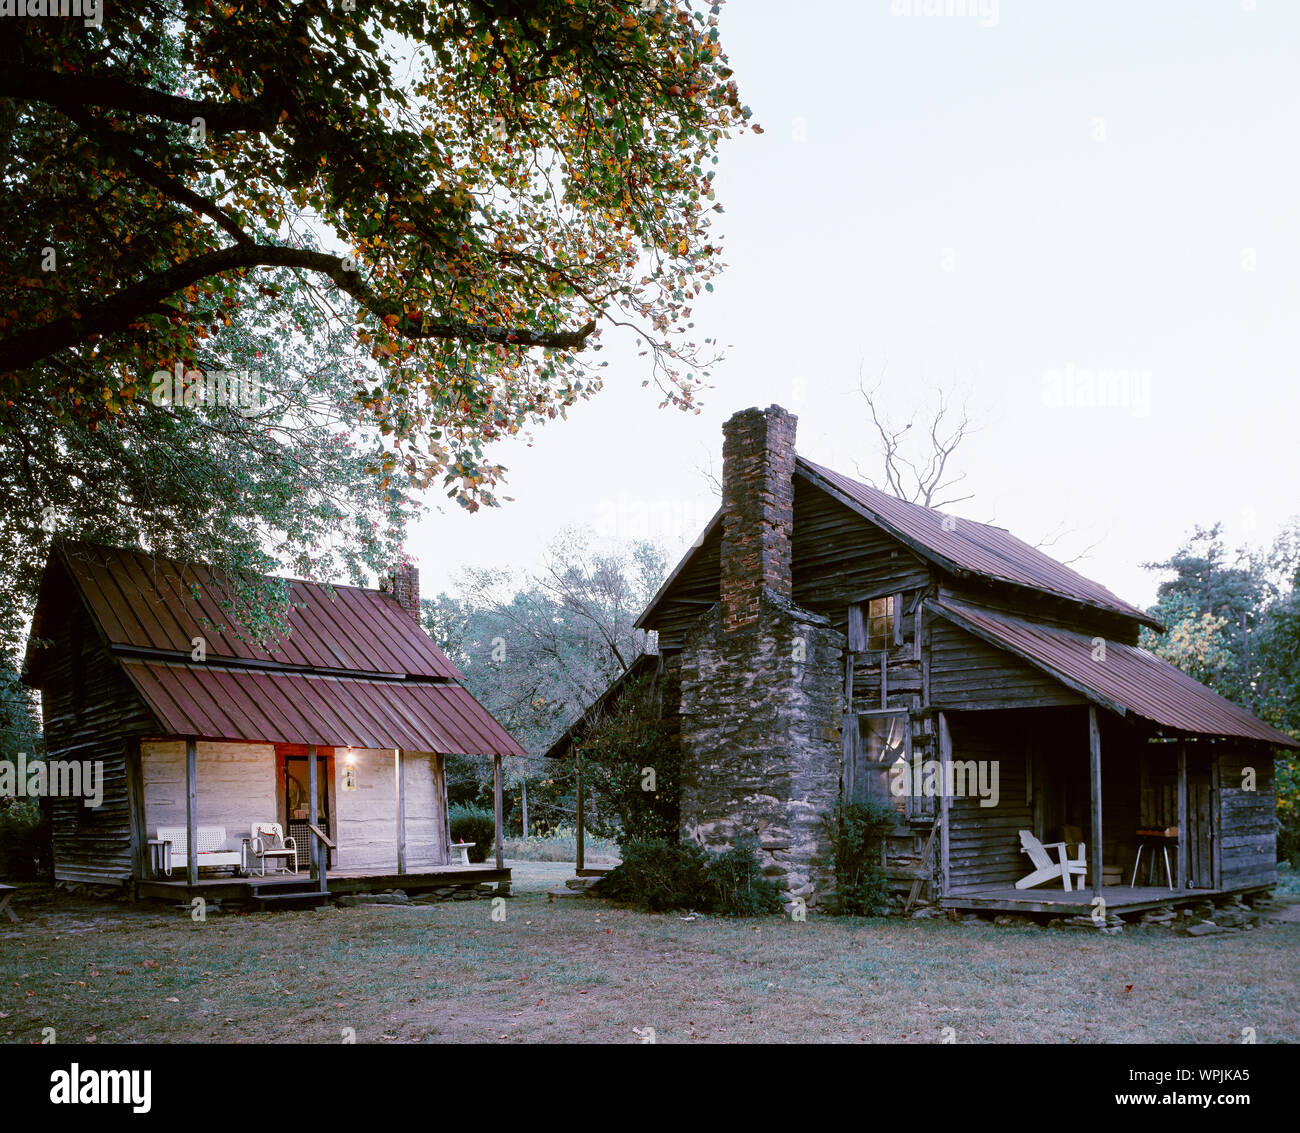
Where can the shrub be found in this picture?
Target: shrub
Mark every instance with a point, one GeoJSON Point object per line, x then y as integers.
{"type": "Point", "coordinates": [474, 824]}
{"type": "Point", "coordinates": [657, 875]}
{"type": "Point", "coordinates": [856, 832]}
{"type": "Point", "coordinates": [24, 841]}
{"type": "Point", "coordinates": [737, 885]}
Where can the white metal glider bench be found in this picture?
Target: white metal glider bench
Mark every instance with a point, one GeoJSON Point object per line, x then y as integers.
{"type": "Point", "coordinates": [209, 848]}
{"type": "Point", "coordinates": [1047, 870]}
{"type": "Point", "coordinates": [268, 843]}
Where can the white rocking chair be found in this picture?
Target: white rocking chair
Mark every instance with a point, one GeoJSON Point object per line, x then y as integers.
{"type": "Point", "coordinates": [268, 841]}
{"type": "Point", "coordinates": [1047, 870]}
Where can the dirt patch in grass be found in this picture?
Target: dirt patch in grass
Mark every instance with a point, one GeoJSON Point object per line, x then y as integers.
{"type": "Point", "coordinates": [583, 970]}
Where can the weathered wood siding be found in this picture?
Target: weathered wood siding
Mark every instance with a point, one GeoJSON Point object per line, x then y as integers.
{"type": "Point", "coordinates": [984, 842]}
{"type": "Point", "coordinates": [1025, 603]}
{"type": "Point", "coordinates": [692, 593]}
{"type": "Point", "coordinates": [1247, 824]}
{"type": "Point", "coordinates": [426, 825]}
{"type": "Point", "coordinates": [236, 786]}
{"type": "Point", "coordinates": [966, 672]}
{"type": "Point", "coordinates": [90, 713]}
{"type": "Point", "coordinates": [366, 819]}
{"type": "Point", "coordinates": [838, 556]}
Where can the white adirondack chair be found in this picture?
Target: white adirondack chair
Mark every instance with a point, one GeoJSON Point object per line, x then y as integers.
{"type": "Point", "coordinates": [1047, 870]}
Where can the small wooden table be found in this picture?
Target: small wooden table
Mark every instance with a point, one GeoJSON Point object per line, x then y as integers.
{"type": "Point", "coordinates": [1155, 840]}
{"type": "Point", "coordinates": [6, 895]}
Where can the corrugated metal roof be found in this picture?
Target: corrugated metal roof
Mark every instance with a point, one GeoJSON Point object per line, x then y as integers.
{"type": "Point", "coordinates": [151, 603]}
{"type": "Point", "coordinates": [1129, 679]}
{"type": "Point", "coordinates": [963, 545]}
{"type": "Point", "coordinates": [215, 703]}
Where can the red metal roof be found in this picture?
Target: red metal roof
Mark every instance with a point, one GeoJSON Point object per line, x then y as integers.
{"type": "Point", "coordinates": [150, 603]}
{"type": "Point", "coordinates": [965, 546]}
{"type": "Point", "coordinates": [215, 703]}
{"type": "Point", "coordinates": [1128, 679]}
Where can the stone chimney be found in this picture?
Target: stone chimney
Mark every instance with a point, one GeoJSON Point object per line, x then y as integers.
{"type": "Point", "coordinates": [406, 588]}
{"type": "Point", "coordinates": [758, 495]}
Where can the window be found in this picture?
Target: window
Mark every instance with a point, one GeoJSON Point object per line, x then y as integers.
{"type": "Point", "coordinates": [879, 759]}
{"type": "Point", "coordinates": [880, 624]}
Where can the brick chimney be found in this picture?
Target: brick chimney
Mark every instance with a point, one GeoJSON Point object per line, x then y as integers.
{"type": "Point", "coordinates": [406, 588]}
{"type": "Point", "coordinates": [758, 494]}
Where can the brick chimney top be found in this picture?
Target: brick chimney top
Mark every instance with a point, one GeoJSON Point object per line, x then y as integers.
{"type": "Point", "coordinates": [758, 458]}
{"type": "Point", "coordinates": [404, 585]}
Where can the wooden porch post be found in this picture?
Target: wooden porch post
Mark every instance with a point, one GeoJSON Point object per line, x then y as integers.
{"type": "Point", "coordinates": [1094, 768]}
{"type": "Point", "coordinates": [496, 798]}
{"type": "Point", "coordinates": [577, 755]}
{"type": "Point", "coordinates": [523, 802]}
{"type": "Point", "coordinates": [312, 808]}
{"type": "Point", "coordinates": [191, 811]}
{"type": "Point", "coordinates": [400, 766]}
{"type": "Point", "coordinates": [945, 761]}
{"type": "Point", "coordinates": [1181, 846]}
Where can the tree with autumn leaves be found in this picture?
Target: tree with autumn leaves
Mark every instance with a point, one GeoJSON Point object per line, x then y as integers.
{"type": "Point", "coordinates": [412, 223]}
{"type": "Point", "coordinates": [478, 188]}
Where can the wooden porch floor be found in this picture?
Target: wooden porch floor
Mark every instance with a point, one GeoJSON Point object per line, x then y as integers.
{"type": "Point", "coordinates": [1045, 899]}
{"type": "Point", "coordinates": [339, 881]}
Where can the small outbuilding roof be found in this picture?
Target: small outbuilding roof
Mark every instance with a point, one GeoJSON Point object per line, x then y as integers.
{"type": "Point", "coordinates": [354, 669]}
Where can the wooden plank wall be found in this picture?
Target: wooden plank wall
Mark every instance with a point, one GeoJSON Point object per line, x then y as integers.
{"type": "Point", "coordinates": [966, 672]}
{"type": "Point", "coordinates": [1247, 843]}
{"type": "Point", "coordinates": [984, 842]}
{"type": "Point", "coordinates": [90, 712]}
{"type": "Point", "coordinates": [838, 556]}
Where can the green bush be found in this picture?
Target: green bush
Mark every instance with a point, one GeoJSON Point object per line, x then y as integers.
{"type": "Point", "coordinates": [474, 824]}
{"type": "Point", "coordinates": [855, 835]}
{"type": "Point", "coordinates": [737, 885]}
{"type": "Point", "coordinates": [657, 875]}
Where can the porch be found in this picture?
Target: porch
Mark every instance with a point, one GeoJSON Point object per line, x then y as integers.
{"type": "Point", "coordinates": [1119, 899]}
{"type": "Point", "coordinates": [336, 883]}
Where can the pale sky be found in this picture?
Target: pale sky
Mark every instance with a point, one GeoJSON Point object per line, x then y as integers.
{"type": "Point", "coordinates": [1005, 195]}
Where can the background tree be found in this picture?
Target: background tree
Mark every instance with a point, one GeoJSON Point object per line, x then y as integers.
{"type": "Point", "coordinates": [537, 648]}
{"type": "Point", "coordinates": [1233, 621]}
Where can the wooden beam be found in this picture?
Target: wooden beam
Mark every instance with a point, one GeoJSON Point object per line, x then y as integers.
{"type": "Point", "coordinates": [898, 621]}
{"type": "Point", "coordinates": [500, 810]}
{"type": "Point", "coordinates": [577, 756]}
{"type": "Point", "coordinates": [191, 811]}
{"type": "Point", "coordinates": [135, 803]}
{"type": "Point", "coordinates": [1094, 778]}
{"type": "Point", "coordinates": [399, 767]}
{"type": "Point", "coordinates": [945, 758]}
{"type": "Point", "coordinates": [1180, 850]}
{"type": "Point", "coordinates": [884, 680]}
{"type": "Point", "coordinates": [313, 809]}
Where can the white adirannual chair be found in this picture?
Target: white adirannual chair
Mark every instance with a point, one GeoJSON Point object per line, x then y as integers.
{"type": "Point", "coordinates": [1047, 870]}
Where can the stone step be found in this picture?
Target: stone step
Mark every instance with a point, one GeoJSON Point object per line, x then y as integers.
{"type": "Point", "coordinates": [583, 883]}
{"type": "Point", "coordinates": [564, 891]}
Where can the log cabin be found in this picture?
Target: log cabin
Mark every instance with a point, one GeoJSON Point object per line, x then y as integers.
{"type": "Point", "coordinates": [337, 732]}
{"type": "Point", "coordinates": [824, 640]}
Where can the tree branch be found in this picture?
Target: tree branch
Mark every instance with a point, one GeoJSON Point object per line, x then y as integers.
{"type": "Point", "coordinates": [26, 347]}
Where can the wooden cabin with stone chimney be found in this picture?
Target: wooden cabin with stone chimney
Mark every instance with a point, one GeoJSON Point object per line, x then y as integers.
{"type": "Point", "coordinates": [824, 639]}
{"type": "Point", "coordinates": [337, 733]}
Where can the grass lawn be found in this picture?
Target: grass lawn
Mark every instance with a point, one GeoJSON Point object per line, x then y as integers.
{"type": "Point", "coordinates": [583, 970]}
